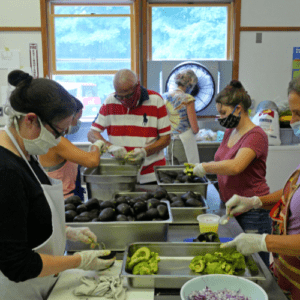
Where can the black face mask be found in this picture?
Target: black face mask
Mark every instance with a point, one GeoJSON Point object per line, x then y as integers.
{"type": "Point", "coordinates": [231, 121]}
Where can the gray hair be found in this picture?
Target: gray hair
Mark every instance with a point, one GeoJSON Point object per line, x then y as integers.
{"type": "Point", "coordinates": [186, 78]}
{"type": "Point", "coordinates": [294, 86]}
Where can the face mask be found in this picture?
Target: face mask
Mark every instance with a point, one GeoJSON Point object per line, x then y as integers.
{"type": "Point", "coordinates": [132, 101]}
{"type": "Point", "coordinates": [74, 129]}
{"type": "Point", "coordinates": [231, 121]}
{"type": "Point", "coordinates": [296, 128]}
{"type": "Point", "coordinates": [42, 143]}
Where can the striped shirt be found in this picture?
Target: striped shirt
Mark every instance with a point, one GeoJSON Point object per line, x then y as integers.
{"type": "Point", "coordinates": [136, 128]}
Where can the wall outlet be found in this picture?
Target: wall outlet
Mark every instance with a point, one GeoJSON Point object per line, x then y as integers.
{"type": "Point", "coordinates": [258, 37]}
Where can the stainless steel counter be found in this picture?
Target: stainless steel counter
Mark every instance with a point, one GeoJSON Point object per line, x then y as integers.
{"type": "Point", "coordinates": [177, 233]}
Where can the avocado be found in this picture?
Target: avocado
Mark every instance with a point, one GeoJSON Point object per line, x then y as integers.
{"type": "Point", "coordinates": [92, 203]}
{"type": "Point", "coordinates": [152, 203]}
{"type": "Point", "coordinates": [178, 203]}
{"type": "Point", "coordinates": [171, 195]}
{"type": "Point", "coordinates": [160, 193]}
{"type": "Point", "coordinates": [85, 214]}
{"type": "Point", "coordinates": [81, 208]}
{"type": "Point", "coordinates": [162, 211]}
{"type": "Point", "coordinates": [149, 195]}
{"type": "Point", "coordinates": [81, 219]}
{"type": "Point", "coordinates": [199, 179]}
{"type": "Point", "coordinates": [106, 204]}
{"type": "Point", "coordinates": [152, 213]}
{"type": "Point", "coordinates": [107, 214]}
{"type": "Point", "coordinates": [123, 209]}
{"type": "Point", "coordinates": [75, 200]}
{"type": "Point", "coordinates": [176, 198]}
{"type": "Point", "coordinates": [121, 199]}
{"type": "Point", "coordinates": [171, 173]}
{"type": "Point", "coordinates": [199, 198]}
{"type": "Point", "coordinates": [166, 180]}
{"type": "Point", "coordinates": [192, 202]}
{"type": "Point", "coordinates": [180, 178]}
{"type": "Point", "coordinates": [109, 256]}
{"type": "Point", "coordinates": [141, 216]}
{"type": "Point", "coordinates": [139, 207]}
{"type": "Point", "coordinates": [142, 254]}
{"type": "Point", "coordinates": [94, 213]}
{"type": "Point", "coordinates": [130, 218]}
{"type": "Point", "coordinates": [188, 195]}
{"type": "Point", "coordinates": [70, 207]}
{"type": "Point", "coordinates": [121, 218]}
{"type": "Point", "coordinates": [70, 215]}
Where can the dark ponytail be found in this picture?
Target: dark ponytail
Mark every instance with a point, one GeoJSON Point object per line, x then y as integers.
{"type": "Point", "coordinates": [44, 97]}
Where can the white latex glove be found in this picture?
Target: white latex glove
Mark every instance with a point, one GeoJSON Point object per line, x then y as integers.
{"type": "Point", "coordinates": [81, 234]}
{"type": "Point", "coordinates": [90, 260]}
{"type": "Point", "coordinates": [101, 145]}
{"type": "Point", "coordinates": [248, 243]}
{"type": "Point", "coordinates": [238, 204]}
{"type": "Point", "coordinates": [136, 155]}
{"type": "Point", "coordinates": [199, 170]}
{"type": "Point", "coordinates": [117, 151]}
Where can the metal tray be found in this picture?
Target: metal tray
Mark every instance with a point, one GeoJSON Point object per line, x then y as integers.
{"type": "Point", "coordinates": [117, 235]}
{"type": "Point", "coordinates": [181, 215]}
{"type": "Point", "coordinates": [173, 269]}
{"type": "Point", "coordinates": [175, 187]}
{"type": "Point", "coordinates": [110, 176]}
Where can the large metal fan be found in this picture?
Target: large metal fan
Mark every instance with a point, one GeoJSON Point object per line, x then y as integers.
{"type": "Point", "coordinates": [203, 92]}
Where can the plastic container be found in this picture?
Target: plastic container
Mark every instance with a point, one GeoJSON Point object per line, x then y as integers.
{"type": "Point", "coordinates": [208, 223]}
{"type": "Point", "coordinates": [219, 282]}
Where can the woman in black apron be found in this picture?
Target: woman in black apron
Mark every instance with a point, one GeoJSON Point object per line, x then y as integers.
{"type": "Point", "coordinates": [32, 223]}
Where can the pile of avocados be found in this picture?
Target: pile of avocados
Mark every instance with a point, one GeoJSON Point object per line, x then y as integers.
{"type": "Point", "coordinates": [147, 207]}
{"type": "Point", "coordinates": [150, 206]}
{"type": "Point", "coordinates": [178, 177]}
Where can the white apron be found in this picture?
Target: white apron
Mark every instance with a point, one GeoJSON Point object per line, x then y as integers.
{"type": "Point", "coordinates": [190, 146]}
{"type": "Point", "coordinates": [39, 288]}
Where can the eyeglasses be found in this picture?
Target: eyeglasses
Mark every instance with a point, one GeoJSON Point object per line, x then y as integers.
{"type": "Point", "coordinates": [118, 97]}
{"type": "Point", "coordinates": [57, 133]}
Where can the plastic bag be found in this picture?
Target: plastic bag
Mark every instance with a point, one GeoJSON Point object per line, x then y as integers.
{"type": "Point", "coordinates": [268, 120]}
{"type": "Point", "coordinates": [206, 135]}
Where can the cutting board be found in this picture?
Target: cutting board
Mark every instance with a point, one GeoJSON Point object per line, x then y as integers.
{"type": "Point", "coordinates": [70, 279]}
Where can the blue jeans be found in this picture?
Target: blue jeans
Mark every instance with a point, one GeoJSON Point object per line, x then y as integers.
{"type": "Point", "coordinates": [257, 221]}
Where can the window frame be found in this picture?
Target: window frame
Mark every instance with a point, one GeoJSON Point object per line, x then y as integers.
{"type": "Point", "coordinates": [134, 35]}
{"type": "Point", "coordinates": [229, 6]}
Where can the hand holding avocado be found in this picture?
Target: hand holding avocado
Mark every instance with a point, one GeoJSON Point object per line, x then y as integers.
{"type": "Point", "coordinates": [81, 234]}
{"type": "Point", "coordinates": [137, 155]}
{"type": "Point", "coordinates": [199, 170]}
{"type": "Point", "coordinates": [90, 260]}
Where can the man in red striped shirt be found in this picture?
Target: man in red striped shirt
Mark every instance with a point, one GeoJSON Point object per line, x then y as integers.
{"type": "Point", "coordinates": [136, 120]}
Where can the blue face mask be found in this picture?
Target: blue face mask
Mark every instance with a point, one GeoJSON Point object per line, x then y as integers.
{"type": "Point", "coordinates": [74, 129]}
{"type": "Point", "coordinates": [296, 128]}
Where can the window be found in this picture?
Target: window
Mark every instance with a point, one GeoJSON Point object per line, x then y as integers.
{"type": "Point", "coordinates": [89, 44]}
{"type": "Point", "coordinates": [189, 31]}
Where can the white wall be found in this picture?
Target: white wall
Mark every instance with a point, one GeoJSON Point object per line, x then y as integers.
{"type": "Point", "coordinates": [20, 13]}
{"type": "Point", "coordinates": [266, 68]}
